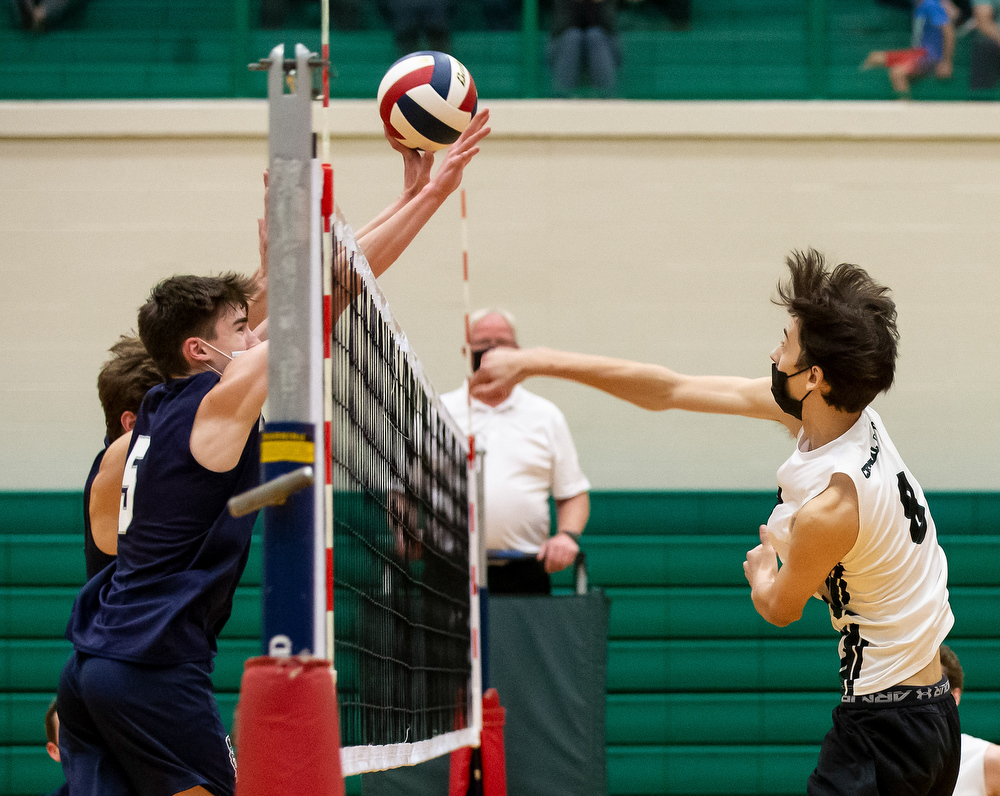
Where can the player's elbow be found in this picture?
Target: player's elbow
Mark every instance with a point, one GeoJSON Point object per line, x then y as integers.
{"type": "Point", "coordinates": [784, 619]}
{"type": "Point", "coordinates": [776, 612]}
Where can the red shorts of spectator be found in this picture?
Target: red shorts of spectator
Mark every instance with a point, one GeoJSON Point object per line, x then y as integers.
{"type": "Point", "coordinates": [914, 60]}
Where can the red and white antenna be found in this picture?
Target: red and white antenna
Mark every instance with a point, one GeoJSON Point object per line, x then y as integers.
{"type": "Point", "coordinates": [326, 212]}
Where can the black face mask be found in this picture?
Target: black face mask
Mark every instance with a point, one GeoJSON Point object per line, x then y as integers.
{"type": "Point", "coordinates": [779, 389]}
{"type": "Point", "coordinates": [477, 358]}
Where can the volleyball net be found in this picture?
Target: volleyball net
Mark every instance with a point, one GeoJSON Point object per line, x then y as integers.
{"type": "Point", "coordinates": [370, 540]}
{"type": "Point", "coordinates": [405, 619]}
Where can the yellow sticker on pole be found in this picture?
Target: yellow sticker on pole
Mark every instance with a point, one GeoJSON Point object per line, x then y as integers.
{"type": "Point", "coordinates": [286, 446]}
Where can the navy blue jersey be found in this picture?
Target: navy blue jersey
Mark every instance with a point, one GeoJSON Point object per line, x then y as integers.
{"type": "Point", "coordinates": [96, 558]}
{"type": "Point", "coordinates": [181, 554]}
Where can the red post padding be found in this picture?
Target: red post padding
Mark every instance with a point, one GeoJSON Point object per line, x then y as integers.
{"type": "Point", "coordinates": [289, 730]}
{"type": "Point", "coordinates": [492, 765]}
{"type": "Point", "coordinates": [460, 771]}
{"type": "Point", "coordinates": [494, 760]}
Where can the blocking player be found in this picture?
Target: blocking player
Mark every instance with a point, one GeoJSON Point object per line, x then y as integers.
{"type": "Point", "coordinates": [851, 525]}
{"type": "Point", "coordinates": [52, 742]}
{"type": "Point", "coordinates": [135, 698]}
{"type": "Point", "coordinates": [122, 383]}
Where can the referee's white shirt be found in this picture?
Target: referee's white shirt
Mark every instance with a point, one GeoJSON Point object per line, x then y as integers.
{"type": "Point", "coordinates": [529, 455]}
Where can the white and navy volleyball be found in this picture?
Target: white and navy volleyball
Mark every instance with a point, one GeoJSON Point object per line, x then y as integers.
{"type": "Point", "coordinates": [427, 99]}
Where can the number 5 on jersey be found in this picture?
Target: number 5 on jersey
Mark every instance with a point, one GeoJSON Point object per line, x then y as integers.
{"type": "Point", "coordinates": [136, 455]}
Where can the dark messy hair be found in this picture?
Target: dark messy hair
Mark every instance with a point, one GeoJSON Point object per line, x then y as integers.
{"type": "Point", "coordinates": [124, 381]}
{"type": "Point", "coordinates": [187, 306]}
{"type": "Point", "coordinates": [952, 668]}
{"type": "Point", "coordinates": [847, 326]}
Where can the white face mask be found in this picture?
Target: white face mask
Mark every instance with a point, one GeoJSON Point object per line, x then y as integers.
{"type": "Point", "coordinates": [216, 350]}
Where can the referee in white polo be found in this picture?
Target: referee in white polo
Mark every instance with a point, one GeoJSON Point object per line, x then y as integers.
{"type": "Point", "coordinates": [529, 456]}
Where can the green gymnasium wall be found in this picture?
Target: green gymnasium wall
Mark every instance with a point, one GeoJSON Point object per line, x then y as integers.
{"type": "Point", "coordinates": [733, 49]}
{"type": "Point", "coordinates": [696, 703]}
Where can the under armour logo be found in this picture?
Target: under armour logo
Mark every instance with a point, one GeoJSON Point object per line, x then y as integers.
{"type": "Point", "coordinates": [923, 693]}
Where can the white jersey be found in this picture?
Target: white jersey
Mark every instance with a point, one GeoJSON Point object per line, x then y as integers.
{"type": "Point", "coordinates": [888, 597]}
{"type": "Point", "coordinates": [972, 775]}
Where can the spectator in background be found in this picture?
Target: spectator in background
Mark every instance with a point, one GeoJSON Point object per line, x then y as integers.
{"type": "Point", "coordinates": [344, 14]}
{"type": "Point", "coordinates": [40, 15]}
{"type": "Point", "coordinates": [678, 12]}
{"type": "Point", "coordinates": [985, 71]}
{"type": "Point", "coordinates": [416, 21]}
{"type": "Point", "coordinates": [502, 14]}
{"type": "Point", "coordinates": [52, 742]}
{"type": "Point", "coordinates": [530, 456]}
{"type": "Point", "coordinates": [980, 772]}
{"type": "Point", "coordinates": [932, 51]}
{"type": "Point", "coordinates": [584, 29]}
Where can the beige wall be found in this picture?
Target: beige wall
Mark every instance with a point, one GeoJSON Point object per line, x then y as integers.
{"type": "Point", "coordinates": [653, 231]}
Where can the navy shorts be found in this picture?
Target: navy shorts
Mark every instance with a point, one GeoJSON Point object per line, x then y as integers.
{"type": "Point", "coordinates": [905, 741]}
{"type": "Point", "coordinates": [128, 729]}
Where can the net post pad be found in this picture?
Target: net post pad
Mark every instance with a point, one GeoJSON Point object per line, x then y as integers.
{"type": "Point", "coordinates": [289, 737]}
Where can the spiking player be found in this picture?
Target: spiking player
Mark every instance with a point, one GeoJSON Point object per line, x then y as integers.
{"type": "Point", "coordinates": [851, 524]}
{"type": "Point", "coordinates": [135, 698]}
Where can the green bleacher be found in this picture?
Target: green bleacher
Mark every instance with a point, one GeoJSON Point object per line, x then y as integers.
{"type": "Point", "coordinates": [696, 703]}
{"type": "Point", "coordinates": [733, 49]}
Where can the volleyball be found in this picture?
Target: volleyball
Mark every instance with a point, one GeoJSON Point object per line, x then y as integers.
{"type": "Point", "coordinates": [426, 100]}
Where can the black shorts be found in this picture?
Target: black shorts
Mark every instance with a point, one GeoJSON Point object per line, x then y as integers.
{"type": "Point", "coordinates": [520, 576]}
{"type": "Point", "coordinates": [127, 729]}
{"type": "Point", "coordinates": [905, 741]}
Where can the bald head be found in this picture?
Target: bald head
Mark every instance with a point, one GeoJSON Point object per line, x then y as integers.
{"type": "Point", "coordinates": [492, 329]}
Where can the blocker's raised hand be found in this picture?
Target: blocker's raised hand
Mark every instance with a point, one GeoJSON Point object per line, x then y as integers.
{"type": "Point", "coordinates": [449, 175]}
{"type": "Point", "coordinates": [416, 166]}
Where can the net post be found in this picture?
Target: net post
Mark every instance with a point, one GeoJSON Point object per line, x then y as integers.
{"type": "Point", "coordinates": [290, 740]}
{"type": "Point", "coordinates": [290, 622]}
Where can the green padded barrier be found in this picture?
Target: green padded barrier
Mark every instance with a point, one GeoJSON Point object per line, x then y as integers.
{"type": "Point", "coordinates": [636, 613]}
{"type": "Point", "coordinates": [678, 666]}
{"type": "Point", "coordinates": [703, 613]}
{"type": "Point", "coordinates": [22, 718]}
{"type": "Point", "coordinates": [612, 512]}
{"type": "Point", "coordinates": [767, 718]}
{"type": "Point", "coordinates": [746, 665]}
{"type": "Point", "coordinates": [733, 513]}
{"type": "Point", "coordinates": [980, 713]}
{"type": "Point", "coordinates": [665, 719]}
{"type": "Point", "coordinates": [31, 665]}
{"type": "Point", "coordinates": [709, 770]}
{"type": "Point", "coordinates": [42, 560]}
{"type": "Point", "coordinates": [28, 771]}
{"type": "Point", "coordinates": [720, 612]}
{"type": "Point", "coordinates": [655, 513]}
{"type": "Point", "coordinates": [685, 560]}
{"type": "Point", "coordinates": [41, 512]}
{"type": "Point", "coordinates": [43, 611]}
{"type": "Point", "coordinates": [57, 560]}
